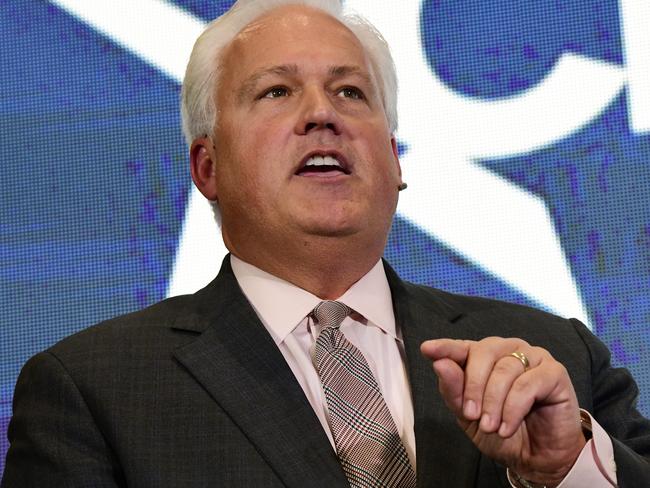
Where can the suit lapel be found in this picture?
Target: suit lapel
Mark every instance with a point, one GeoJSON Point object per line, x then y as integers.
{"type": "Point", "coordinates": [239, 365]}
{"type": "Point", "coordinates": [445, 456]}
{"type": "Point", "coordinates": [237, 362]}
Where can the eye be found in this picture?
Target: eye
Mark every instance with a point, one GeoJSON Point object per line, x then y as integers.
{"type": "Point", "coordinates": [276, 92]}
{"type": "Point", "coordinates": [351, 92]}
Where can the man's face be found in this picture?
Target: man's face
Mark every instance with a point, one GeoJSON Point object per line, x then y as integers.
{"type": "Point", "coordinates": [302, 144]}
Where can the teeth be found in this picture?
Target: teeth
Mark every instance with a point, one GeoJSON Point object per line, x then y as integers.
{"type": "Point", "coordinates": [322, 161]}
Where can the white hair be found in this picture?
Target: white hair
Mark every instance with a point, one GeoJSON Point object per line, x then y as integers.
{"type": "Point", "coordinates": [198, 103]}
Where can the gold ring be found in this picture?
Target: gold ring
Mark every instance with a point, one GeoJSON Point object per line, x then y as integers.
{"type": "Point", "coordinates": [522, 358]}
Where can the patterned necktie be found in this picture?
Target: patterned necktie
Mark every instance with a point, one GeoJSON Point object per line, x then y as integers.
{"type": "Point", "coordinates": [367, 443]}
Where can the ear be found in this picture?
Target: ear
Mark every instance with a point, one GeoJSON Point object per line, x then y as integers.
{"type": "Point", "coordinates": [202, 161]}
{"type": "Point", "coordinates": [393, 143]}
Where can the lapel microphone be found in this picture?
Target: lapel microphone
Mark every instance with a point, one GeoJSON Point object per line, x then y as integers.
{"type": "Point", "coordinates": [402, 186]}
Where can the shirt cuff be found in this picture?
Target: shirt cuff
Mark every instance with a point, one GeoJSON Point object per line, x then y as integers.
{"type": "Point", "coordinates": [595, 466]}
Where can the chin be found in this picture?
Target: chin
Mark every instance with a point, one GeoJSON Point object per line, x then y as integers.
{"type": "Point", "coordinates": [327, 226]}
{"type": "Point", "coordinates": [331, 230]}
{"type": "Point", "coordinates": [334, 222]}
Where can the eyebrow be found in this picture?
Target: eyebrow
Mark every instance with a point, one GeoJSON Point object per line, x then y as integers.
{"type": "Point", "coordinates": [343, 71]}
{"type": "Point", "coordinates": [248, 86]}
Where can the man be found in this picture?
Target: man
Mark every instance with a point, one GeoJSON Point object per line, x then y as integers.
{"type": "Point", "coordinates": [242, 383]}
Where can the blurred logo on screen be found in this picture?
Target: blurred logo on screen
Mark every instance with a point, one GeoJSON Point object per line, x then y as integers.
{"type": "Point", "coordinates": [470, 94]}
{"type": "Point", "coordinates": [491, 95]}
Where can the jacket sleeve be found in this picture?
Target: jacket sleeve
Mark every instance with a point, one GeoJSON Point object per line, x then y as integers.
{"type": "Point", "coordinates": [54, 440]}
{"type": "Point", "coordinates": [614, 407]}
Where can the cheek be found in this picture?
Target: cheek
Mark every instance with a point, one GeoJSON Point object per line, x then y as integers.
{"type": "Point", "coordinates": [266, 138]}
{"type": "Point", "coordinates": [247, 152]}
{"type": "Point", "coordinates": [383, 159]}
{"type": "Point", "coordinates": [253, 177]}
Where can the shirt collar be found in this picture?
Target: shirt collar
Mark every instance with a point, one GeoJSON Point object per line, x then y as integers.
{"type": "Point", "coordinates": [281, 305]}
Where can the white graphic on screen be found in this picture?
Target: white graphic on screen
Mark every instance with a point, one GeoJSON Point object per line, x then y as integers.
{"type": "Point", "coordinates": [165, 41]}
{"type": "Point", "coordinates": [483, 217]}
{"type": "Point", "coordinates": [635, 19]}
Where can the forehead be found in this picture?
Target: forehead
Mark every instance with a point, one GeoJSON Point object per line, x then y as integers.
{"type": "Point", "coordinates": [299, 35]}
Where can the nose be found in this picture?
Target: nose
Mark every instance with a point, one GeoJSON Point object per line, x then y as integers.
{"type": "Point", "coordinates": [317, 112]}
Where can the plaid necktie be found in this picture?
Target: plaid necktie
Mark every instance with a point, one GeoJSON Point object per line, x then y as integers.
{"type": "Point", "coordinates": [367, 443]}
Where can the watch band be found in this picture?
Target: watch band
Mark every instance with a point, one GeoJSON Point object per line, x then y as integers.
{"type": "Point", "coordinates": [520, 482]}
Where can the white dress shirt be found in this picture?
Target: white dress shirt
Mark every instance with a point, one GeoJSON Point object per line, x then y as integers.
{"type": "Point", "coordinates": [284, 309]}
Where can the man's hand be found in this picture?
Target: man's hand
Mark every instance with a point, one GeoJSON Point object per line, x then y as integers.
{"type": "Point", "coordinates": [526, 419]}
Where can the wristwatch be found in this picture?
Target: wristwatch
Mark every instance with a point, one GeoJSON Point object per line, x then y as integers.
{"type": "Point", "coordinates": [520, 482]}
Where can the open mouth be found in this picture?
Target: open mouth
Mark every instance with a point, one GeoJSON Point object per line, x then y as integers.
{"type": "Point", "coordinates": [323, 165]}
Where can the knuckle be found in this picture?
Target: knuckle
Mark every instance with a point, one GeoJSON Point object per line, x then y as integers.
{"type": "Point", "coordinates": [523, 344]}
{"type": "Point", "coordinates": [472, 384]}
{"type": "Point", "coordinates": [473, 387]}
{"type": "Point", "coordinates": [522, 384]}
{"type": "Point", "coordinates": [558, 369]}
{"type": "Point", "coordinates": [491, 399]}
{"type": "Point", "coordinates": [542, 353]}
{"type": "Point", "coordinates": [503, 367]}
{"type": "Point", "coordinates": [491, 340]}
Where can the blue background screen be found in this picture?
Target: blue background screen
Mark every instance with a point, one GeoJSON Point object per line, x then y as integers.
{"type": "Point", "coordinates": [524, 137]}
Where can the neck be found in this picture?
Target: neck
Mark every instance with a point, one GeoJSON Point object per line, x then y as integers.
{"type": "Point", "coordinates": [324, 266]}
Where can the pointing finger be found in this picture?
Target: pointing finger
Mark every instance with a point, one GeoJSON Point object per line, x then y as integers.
{"type": "Point", "coordinates": [456, 350]}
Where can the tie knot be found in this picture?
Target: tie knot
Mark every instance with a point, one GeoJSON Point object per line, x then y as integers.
{"type": "Point", "coordinates": [330, 313]}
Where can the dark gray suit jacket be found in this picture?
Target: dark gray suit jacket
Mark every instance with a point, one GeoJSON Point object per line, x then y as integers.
{"type": "Point", "coordinates": [192, 392]}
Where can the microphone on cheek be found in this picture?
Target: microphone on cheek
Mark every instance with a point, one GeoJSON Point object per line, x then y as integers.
{"type": "Point", "coordinates": [403, 186]}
